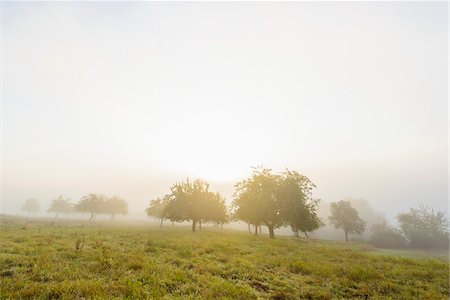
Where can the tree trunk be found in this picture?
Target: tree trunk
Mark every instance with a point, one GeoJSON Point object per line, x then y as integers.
{"type": "Point", "coordinates": [194, 223]}
{"type": "Point", "coordinates": [260, 231]}
{"type": "Point", "coordinates": [296, 233]}
{"type": "Point", "coordinates": [92, 216]}
{"type": "Point", "coordinates": [200, 224]}
{"type": "Point", "coordinates": [271, 233]}
{"type": "Point", "coordinates": [256, 230]}
{"type": "Point", "coordinates": [161, 223]}
{"type": "Point", "coordinates": [346, 236]}
{"type": "Point", "coordinates": [249, 229]}
{"type": "Point", "coordinates": [306, 234]}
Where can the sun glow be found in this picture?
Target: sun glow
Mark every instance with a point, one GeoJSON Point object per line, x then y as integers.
{"type": "Point", "coordinates": [214, 148]}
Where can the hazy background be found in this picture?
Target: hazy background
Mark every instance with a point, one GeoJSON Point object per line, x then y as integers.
{"type": "Point", "coordinates": [127, 98]}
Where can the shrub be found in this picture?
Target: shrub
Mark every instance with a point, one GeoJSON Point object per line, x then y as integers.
{"type": "Point", "coordinates": [386, 236]}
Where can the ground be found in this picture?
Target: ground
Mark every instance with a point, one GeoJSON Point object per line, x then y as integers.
{"type": "Point", "coordinates": [38, 260]}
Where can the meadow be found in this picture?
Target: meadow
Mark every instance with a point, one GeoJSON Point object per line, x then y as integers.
{"type": "Point", "coordinates": [38, 260]}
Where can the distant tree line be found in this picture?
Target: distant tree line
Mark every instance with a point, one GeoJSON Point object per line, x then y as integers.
{"type": "Point", "coordinates": [421, 228]}
{"type": "Point", "coordinates": [418, 228]}
{"type": "Point", "coordinates": [93, 204]}
{"type": "Point", "coordinates": [266, 199]}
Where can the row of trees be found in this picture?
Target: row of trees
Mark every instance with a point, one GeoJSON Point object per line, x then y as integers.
{"type": "Point", "coordinates": [268, 199]}
{"type": "Point", "coordinates": [285, 199]}
{"type": "Point", "coordinates": [265, 198]}
{"type": "Point", "coordinates": [93, 204]}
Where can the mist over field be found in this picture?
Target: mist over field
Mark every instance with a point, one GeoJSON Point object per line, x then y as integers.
{"type": "Point", "coordinates": [224, 150]}
{"type": "Point", "coordinates": [128, 98]}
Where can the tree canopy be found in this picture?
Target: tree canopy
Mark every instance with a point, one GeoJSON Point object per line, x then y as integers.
{"type": "Point", "coordinates": [190, 201]}
{"type": "Point", "coordinates": [275, 200]}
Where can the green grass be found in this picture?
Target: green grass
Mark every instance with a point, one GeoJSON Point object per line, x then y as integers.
{"type": "Point", "coordinates": [424, 254]}
{"type": "Point", "coordinates": [148, 262]}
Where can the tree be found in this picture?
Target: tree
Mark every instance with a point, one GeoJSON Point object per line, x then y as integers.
{"type": "Point", "coordinates": [256, 202]}
{"type": "Point", "coordinates": [190, 201]}
{"type": "Point", "coordinates": [345, 217]}
{"type": "Point", "coordinates": [299, 210]}
{"type": "Point", "coordinates": [60, 205]}
{"type": "Point", "coordinates": [31, 206]}
{"type": "Point", "coordinates": [425, 228]}
{"type": "Point", "coordinates": [91, 203]}
{"type": "Point", "coordinates": [156, 208]}
{"type": "Point", "coordinates": [115, 206]}
{"type": "Point", "coordinates": [276, 200]}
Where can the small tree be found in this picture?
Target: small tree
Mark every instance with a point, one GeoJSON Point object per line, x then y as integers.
{"type": "Point", "coordinates": [91, 203]}
{"type": "Point", "coordinates": [115, 206]}
{"type": "Point", "coordinates": [156, 208]}
{"type": "Point", "coordinates": [60, 205]}
{"type": "Point", "coordinates": [31, 206]}
{"type": "Point", "coordinates": [345, 217]}
{"type": "Point", "coordinates": [425, 228]}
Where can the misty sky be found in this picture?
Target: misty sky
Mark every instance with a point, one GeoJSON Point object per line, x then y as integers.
{"type": "Point", "coordinates": [128, 98]}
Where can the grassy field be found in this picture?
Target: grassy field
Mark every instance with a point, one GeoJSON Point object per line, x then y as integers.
{"type": "Point", "coordinates": [40, 261]}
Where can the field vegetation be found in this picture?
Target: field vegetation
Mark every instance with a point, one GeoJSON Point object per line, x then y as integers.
{"type": "Point", "coordinates": [38, 259]}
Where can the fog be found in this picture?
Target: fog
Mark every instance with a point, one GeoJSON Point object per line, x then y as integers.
{"type": "Point", "coordinates": [128, 98]}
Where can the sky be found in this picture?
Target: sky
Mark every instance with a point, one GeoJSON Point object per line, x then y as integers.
{"type": "Point", "coordinates": [128, 98]}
